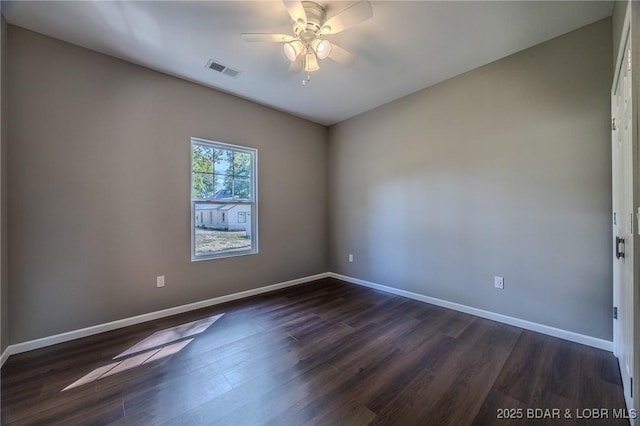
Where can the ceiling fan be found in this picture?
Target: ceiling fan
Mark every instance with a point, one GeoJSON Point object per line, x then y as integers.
{"type": "Point", "coordinates": [307, 45]}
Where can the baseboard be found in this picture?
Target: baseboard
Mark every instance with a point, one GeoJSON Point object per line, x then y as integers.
{"type": "Point", "coordinates": [4, 356]}
{"type": "Point", "coordinates": [540, 328]}
{"type": "Point", "coordinates": [101, 328]}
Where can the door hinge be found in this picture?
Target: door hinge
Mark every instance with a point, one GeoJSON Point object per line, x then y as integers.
{"type": "Point", "coordinates": [615, 312]}
{"type": "Point", "coordinates": [613, 124]}
{"type": "Point", "coordinates": [629, 59]}
{"type": "Point", "coordinates": [631, 386]}
{"type": "Point", "coordinates": [615, 221]}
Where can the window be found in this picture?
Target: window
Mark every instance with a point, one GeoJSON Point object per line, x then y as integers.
{"type": "Point", "coordinates": [223, 184]}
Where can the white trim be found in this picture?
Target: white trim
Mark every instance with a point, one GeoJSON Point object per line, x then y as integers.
{"type": "Point", "coordinates": [540, 328]}
{"type": "Point", "coordinates": [101, 328]}
{"type": "Point", "coordinates": [4, 356]}
{"type": "Point", "coordinates": [620, 56]}
{"type": "Point", "coordinates": [255, 249]}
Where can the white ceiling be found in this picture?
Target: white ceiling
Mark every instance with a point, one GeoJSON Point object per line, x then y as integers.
{"type": "Point", "coordinates": [405, 47]}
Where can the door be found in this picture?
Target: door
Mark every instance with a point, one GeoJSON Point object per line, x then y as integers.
{"type": "Point", "coordinates": [623, 223]}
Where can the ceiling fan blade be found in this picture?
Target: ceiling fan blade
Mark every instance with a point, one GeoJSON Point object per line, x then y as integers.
{"type": "Point", "coordinates": [341, 56]}
{"type": "Point", "coordinates": [266, 37]}
{"type": "Point", "coordinates": [296, 11]}
{"type": "Point", "coordinates": [351, 16]}
{"type": "Point", "coordinates": [296, 66]}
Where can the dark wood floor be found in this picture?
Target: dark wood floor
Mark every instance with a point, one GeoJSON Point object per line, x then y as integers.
{"type": "Point", "coordinates": [327, 353]}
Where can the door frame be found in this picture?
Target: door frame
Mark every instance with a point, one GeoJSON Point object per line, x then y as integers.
{"type": "Point", "coordinates": [631, 30]}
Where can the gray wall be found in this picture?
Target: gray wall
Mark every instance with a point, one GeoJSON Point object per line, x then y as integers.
{"type": "Point", "coordinates": [4, 283]}
{"type": "Point", "coordinates": [504, 170]}
{"type": "Point", "coordinates": [95, 144]}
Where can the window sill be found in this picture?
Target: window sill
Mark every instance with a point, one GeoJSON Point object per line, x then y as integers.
{"type": "Point", "coordinates": [223, 255]}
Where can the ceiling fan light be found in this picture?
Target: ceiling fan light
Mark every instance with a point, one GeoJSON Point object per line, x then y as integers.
{"type": "Point", "coordinates": [326, 29]}
{"type": "Point", "coordinates": [311, 62]}
{"type": "Point", "coordinates": [322, 48]}
{"type": "Point", "coordinates": [292, 50]}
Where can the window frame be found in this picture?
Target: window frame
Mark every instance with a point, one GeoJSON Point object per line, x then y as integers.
{"type": "Point", "coordinates": [253, 202]}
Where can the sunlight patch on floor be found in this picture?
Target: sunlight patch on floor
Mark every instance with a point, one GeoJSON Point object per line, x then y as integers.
{"type": "Point", "coordinates": [159, 345]}
{"type": "Point", "coordinates": [169, 335]}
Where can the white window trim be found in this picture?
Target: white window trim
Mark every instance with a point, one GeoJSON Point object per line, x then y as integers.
{"type": "Point", "coordinates": [254, 202]}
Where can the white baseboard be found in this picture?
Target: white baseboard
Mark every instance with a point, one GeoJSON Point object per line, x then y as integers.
{"type": "Point", "coordinates": [101, 328]}
{"type": "Point", "coordinates": [4, 356]}
{"type": "Point", "coordinates": [540, 328]}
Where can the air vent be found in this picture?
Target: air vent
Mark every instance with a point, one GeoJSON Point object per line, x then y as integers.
{"type": "Point", "coordinates": [218, 67]}
{"type": "Point", "coordinates": [230, 72]}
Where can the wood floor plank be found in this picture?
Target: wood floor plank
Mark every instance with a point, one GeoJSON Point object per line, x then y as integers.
{"type": "Point", "coordinates": [443, 391]}
{"type": "Point", "coordinates": [349, 412]}
{"type": "Point", "coordinates": [431, 325]}
{"type": "Point", "coordinates": [500, 408]}
{"type": "Point", "coordinates": [289, 383]}
{"type": "Point", "coordinates": [300, 392]}
{"type": "Point", "coordinates": [90, 410]}
{"type": "Point", "coordinates": [523, 370]}
{"type": "Point", "coordinates": [325, 353]}
{"type": "Point", "coordinates": [379, 312]}
{"type": "Point", "coordinates": [376, 391]}
{"type": "Point", "coordinates": [478, 370]}
{"type": "Point", "coordinates": [380, 337]}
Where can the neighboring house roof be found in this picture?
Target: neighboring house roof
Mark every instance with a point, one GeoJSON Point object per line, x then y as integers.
{"type": "Point", "coordinates": [222, 194]}
{"type": "Point", "coordinates": [215, 206]}
{"type": "Point", "coordinates": [207, 207]}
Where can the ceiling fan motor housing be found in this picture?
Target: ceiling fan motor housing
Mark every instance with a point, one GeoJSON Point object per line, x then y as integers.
{"type": "Point", "coordinates": [316, 16]}
{"type": "Point", "coordinates": [310, 25]}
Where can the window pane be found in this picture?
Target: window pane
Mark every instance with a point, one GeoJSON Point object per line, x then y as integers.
{"type": "Point", "coordinates": [222, 177]}
{"type": "Point", "coordinates": [242, 164]}
{"type": "Point", "coordinates": [202, 185]}
{"type": "Point", "coordinates": [224, 161]}
{"type": "Point", "coordinates": [222, 190]}
{"type": "Point", "coordinates": [218, 231]}
{"type": "Point", "coordinates": [242, 188]}
{"type": "Point", "coordinates": [202, 159]}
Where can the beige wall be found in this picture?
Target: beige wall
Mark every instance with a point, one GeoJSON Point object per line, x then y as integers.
{"type": "Point", "coordinates": [4, 283]}
{"type": "Point", "coordinates": [502, 171]}
{"type": "Point", "coordinates": [95, 144]}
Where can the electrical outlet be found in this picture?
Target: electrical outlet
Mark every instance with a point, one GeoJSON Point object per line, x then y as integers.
{"type": "Point", "coordinates": [160, 281]}
{"type": "Point", "coordinates": [498, 282]}
{"type": "Point", "coordinates": [350, 258]}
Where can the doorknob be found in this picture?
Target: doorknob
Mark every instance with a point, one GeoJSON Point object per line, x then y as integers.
{"type": "Point", "coordinates": [619, 244]}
